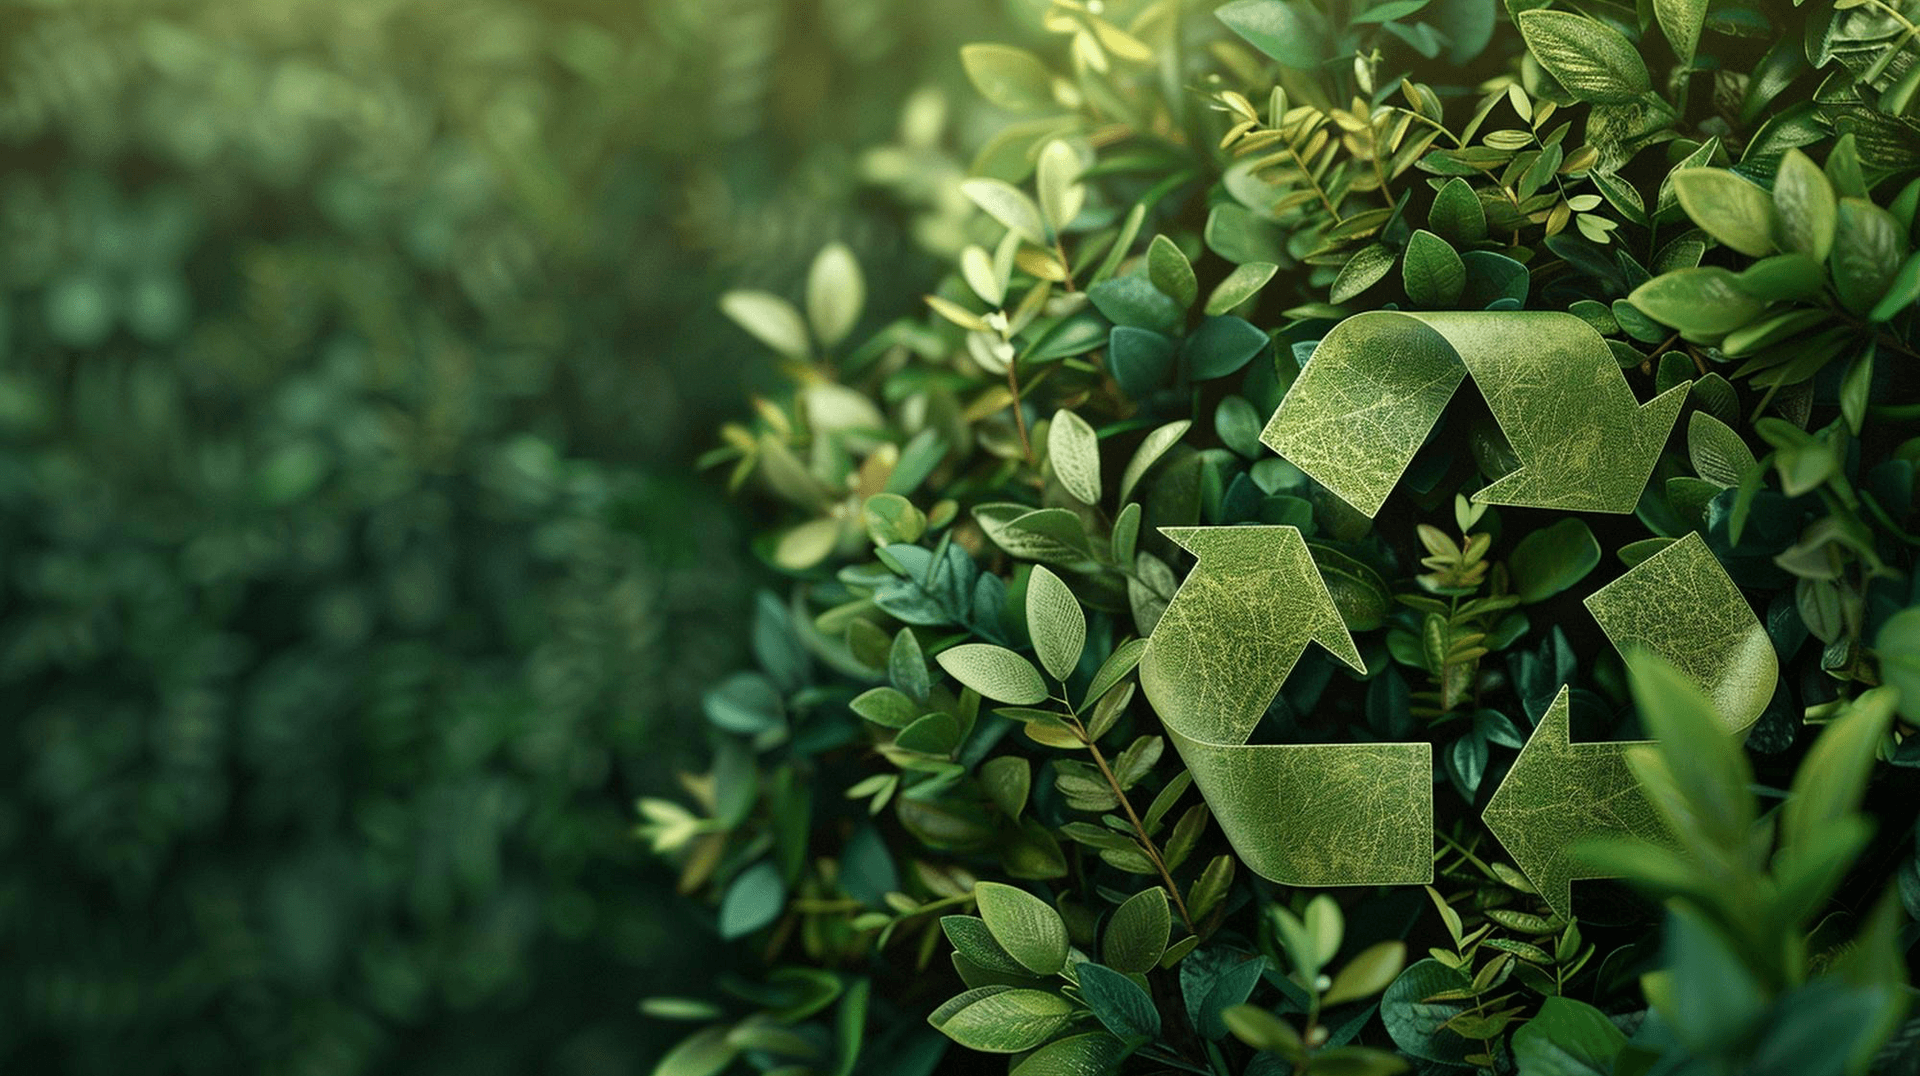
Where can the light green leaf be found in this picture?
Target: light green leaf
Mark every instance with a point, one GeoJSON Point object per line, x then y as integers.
{"type": "Point", "coordinates": [1274, 28]}
{"type": "Point", "coordinates": [836, 293]}
{"type": "Point", "coordinates": [1170, 271]}
{"type": "Point", "coordinates": [1833, 777]}
{"type": "Point", "coordinates": [1025, 926]}
{"type": "Point", "coordinates": [1006, 204]}
{"type": "Point", "coordinates": [1681, 20]}
{"type": "Point", "coordinates": [752, 900]}
{"type": "Point", "coordinates": [1729, 208]}
{"type": "Point", "coordinates": [1151, 449]}
{"type": "Point", "coordinates": [1074, 451]}
{"type": "Point", "coordinates": [1368, 973]}
{"type": "Point", "coordinates": [1368, 266]}
{"type": "Point", "coordinates": [1055, 623]}
{"type": "Point", "coordinates": [703, 1053]}
{"type": "Point", "coordinates": [1701, 302]}
{"type": "Point", "coordinates": [772, 320]}
{"type": "Point", "coordinates": [1592, 60]}
{"type": "Point", "coordinates": [1002, 1019]}
{"type": "Point", "coordinates": [995, 672]}
{"type": "Point", "coordinates": [1804, 206]}
{"type": "Point", "coordinates": [1058, 180]}
{"type": "Point", "coordinates": [1010, 77]}
{"type": "Point", "coordinates": [1240, 285]}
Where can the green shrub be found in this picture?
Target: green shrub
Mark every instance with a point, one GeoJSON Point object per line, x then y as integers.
{"type": "Point", "coordinates": [943, 758]}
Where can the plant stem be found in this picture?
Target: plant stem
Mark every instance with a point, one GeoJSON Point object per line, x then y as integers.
{"type": "Point", "coordinates": [1139, 830]}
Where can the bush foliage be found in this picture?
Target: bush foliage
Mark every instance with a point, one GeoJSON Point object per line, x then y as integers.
{"type": "Point", "coordinates": [939, 814]}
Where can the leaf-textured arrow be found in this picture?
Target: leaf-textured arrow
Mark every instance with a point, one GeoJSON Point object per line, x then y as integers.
{"type": "Point", "coordinates": [1681, 605]}
{"type": "Point", "coordinates": [1379, 381]}
{"type": "Point", "coordinates": [1321, 814]}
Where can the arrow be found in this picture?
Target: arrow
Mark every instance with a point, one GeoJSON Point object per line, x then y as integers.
{"type": "Point", "coordinates": [1680, 604]}
{"type": "Point", "coordinates": [1322, 814]}
{"type": "Point", "coordinates": [1379, 381]}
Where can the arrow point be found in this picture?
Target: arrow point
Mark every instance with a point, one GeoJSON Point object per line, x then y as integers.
{"type": "Point", "coordinates": [1509, 812]}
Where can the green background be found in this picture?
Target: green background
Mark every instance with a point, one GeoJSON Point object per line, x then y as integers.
{"type": "Point", "coordinates": [354, 575]}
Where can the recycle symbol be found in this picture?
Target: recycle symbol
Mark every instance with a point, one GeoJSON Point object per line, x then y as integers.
{"type": "Point", "coordinates": [1362, 813]}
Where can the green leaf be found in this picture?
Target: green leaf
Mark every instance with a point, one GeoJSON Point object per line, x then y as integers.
{"type": "Point", "coordinates": [1804, 206]}
{"type": "Point", "coordinates": [753, 900]}
{"type": "Point", "coordinates": [1368, 266]}
{"type": "Point", "coordinates": [1901, 293]}
{"type": "Point", "coordinates": [1592, 60]}
{"type": "Point", "coordinates": [971, 939]}
{"type": "Point", "coordinates": [1006, 204]}
{"type": "Point", "coordinates": [1419, 1026]}
{"type": "Point", "coordinates": [1002, 1019]}
{"type": "Point", "coordinates": [885, 707]}
{"type": "Point", "coordinates": [1275, 28]}
{"type": "Point", "coordinates": [1152, 447]}
{"type": "Point", "coordinates": [1137, 933]}
{"type": "Point", "coordinates": [1074, 451]}
{"type": "Point", "coordinates": [1055, 623]}
{"type": "Point", "coordinates": [995, 672]}
{"type": "Point", "coordinates": [1832, 778]}
{"type": "Point", "coordinates": [907, 666]}
{"type": "Point", "coordinates": [1719, 455]}
{"type": "Point", "coordinates": [1141, 361]}
{"type": "Point", "coordinates": [772, 320]}
{"type": "Point", "coordinates": [1057, 179]}
{"type": "Point", "coordinates": [1433, 271]}
{"type": "Point", "coordinates": [1567, 1038]}
{"type": "Point", "coordinates": [1094, 1053]}
{"type": "Point", "coordinates": [1008, 779]}
{"type": "Point", "coordinates": [1134, 301]}
{"type": "Point", "coordinates": [1701, 302]}
{"type": "Point", "coordinates": [1715, 1001]}
{"type": "Point", "coordinates": [1729, 208]}
{"type": "Point", "coordinates": [836, 292]}
{"type": "Point", "coordinates": [1368, 973]}
{"type": "Point", "coordinates": [1118, 1002]}
{"type": "Point", "coordinates": [1457, 215]}
{"type": "Point", "coordinates": [1265, 1032]}
{"type": "Point", "coordinates": [1238, 425]}
{"type": "Point", "coordinates": [1010, 77]}
{"type": "Point", "coordinates": [1898, 648]}
{"type": "Point", "coordinates": [1681, 20]}
{"type": "Point", "coordinates": [1170, 271]}
{"type": "Point", "coordinates": [1695, 755]}
{"type": "Point", "coordinates": [1025, 926]}
{"type": "Point", "coordinates": [1240, 285]}
{"type": "Point", "coordinates": [1221, 346]}
{"type": "Point", "coordinates": [703, 1053]}
{"type": "Point", "coordinates": [1868, 249]}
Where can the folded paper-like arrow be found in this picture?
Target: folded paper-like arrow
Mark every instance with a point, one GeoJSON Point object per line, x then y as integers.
{"type": "Point", "coordinates": [1680, 605]}
{"type": "Point", "coordinates": [1359, 814]}
{"type": "Point", "coordinates": [1301, 814]}
{"type": "Point", "coordinates": [1378, 382]}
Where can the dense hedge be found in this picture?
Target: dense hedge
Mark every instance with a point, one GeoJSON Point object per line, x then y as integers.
{"type": "Point", "coordinates": [939, 811]}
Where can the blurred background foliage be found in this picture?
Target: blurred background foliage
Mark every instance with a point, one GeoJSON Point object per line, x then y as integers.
{"type": "Point", "coordinates": [353, 575]}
